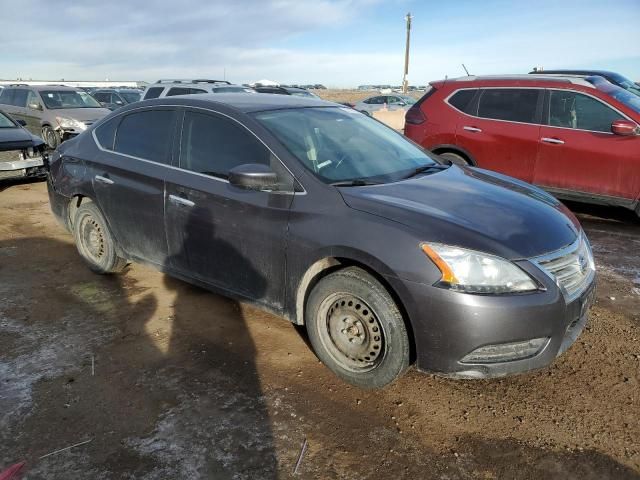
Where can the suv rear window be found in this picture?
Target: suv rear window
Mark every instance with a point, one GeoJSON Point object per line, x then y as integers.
{"type": "Point", "coordinates": [153, 92]}
{"type": "Point", "coordinates": [512, 104]}
{"type": "Point", "coordinates": [184, 91]}
{"type": "Point", "coordinates": [462, 99]}
{"type": "Point", "coordinates": [146, 135]}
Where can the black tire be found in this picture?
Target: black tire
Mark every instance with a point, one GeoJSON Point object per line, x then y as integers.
{"type": "Point", "coordinates": [51, 137]}
{"type": "Point", "coordinates": [356, 329]}
{"type": "Point", "coordinates": [94, 241]}
{"type": "Point", "coordinates": [455, 158]}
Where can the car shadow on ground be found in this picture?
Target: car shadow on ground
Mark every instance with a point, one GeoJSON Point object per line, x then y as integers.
{"type": "Point", "coordinates": [94, 357]}
{"type": "Point", "coordinates": [12, 182]}
{"type": "Point", "coordinates": [603, 214]}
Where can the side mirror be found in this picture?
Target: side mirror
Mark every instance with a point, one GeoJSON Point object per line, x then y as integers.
{"type": "Point", "coordinates": [625, 128]}
{"type": "Point", "coordinates": [253, 176]}
{"type": "Point", "coordinates": [21, 122]}
{"type": "Point", "coordinates": [35, 106]}
{"type": "Point", "coordinates": [119, 102]}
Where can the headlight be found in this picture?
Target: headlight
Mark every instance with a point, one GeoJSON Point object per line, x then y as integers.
{"type": "Point", "coordinates": [70, 123]}
{"type": "Point", "coordinates": [476, 272]}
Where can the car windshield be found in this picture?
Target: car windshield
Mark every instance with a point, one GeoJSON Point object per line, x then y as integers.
{"type": "Point", "coordinates": [57, 99]}
{"type": "Point", "coordinates": [131, 97]}
{"type": "Point", "coordinates": [5, 122]}
{"type": "Point", "coordinates": [340, 145]}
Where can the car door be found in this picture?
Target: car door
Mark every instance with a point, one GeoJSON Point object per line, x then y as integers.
{"type": "Point", "coordinates": [33, 113]}
{"type": "Point", "coordinates": [502, 131]}
{"type": "Point", "coordinates": [220, 234]}
{"type": "Point", "coordinates": [18, 105]}
{"type": "Point", "coordinates": [129, 179]}
{"type": "Point", "coordinates": [578, 151]}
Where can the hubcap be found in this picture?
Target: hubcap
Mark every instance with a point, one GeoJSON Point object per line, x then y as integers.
{"type": "Point", "coordinates": [355, 337]}
{"type": "Point", "coordinates": [92, 238]}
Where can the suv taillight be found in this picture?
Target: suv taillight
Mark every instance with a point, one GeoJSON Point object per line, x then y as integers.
{"type": "Point", "coordinates": [414, 115]}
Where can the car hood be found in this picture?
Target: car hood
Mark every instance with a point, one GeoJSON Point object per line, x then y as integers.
{"type": "Point", "coordinates": [15, 139]}
{"type": "Point", "coordinates": [472, 208]}
{"type": "Point", "coordinates": [83, 114]}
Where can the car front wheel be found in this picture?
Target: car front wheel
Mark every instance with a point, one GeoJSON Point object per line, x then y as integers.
{"type": "Point", "coordinates": [356, 329]}
{"type": "Point", "coordinates": [94, 242]}
{"type": "Point", "coordinates": [51, 137]}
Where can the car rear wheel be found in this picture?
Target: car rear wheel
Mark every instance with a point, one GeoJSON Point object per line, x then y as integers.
{"type": "Point", "coordinates": [455, 158]}
{"type": "Point", "coordinates": [94, 242]}
{"type": "Point", "coordinates": [50, 137]}
{"type": "Point", "coordinates": [356, 329]}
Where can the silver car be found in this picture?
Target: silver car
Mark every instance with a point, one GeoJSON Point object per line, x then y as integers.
{"type": "Point", "coordinates": [53, 112]}
{"type": "Point", "coordinates": [169, 88]}
{"type": "Point", "coordinates": [378, 102]}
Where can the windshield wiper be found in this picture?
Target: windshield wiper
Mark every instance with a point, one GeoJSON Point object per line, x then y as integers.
{"type": "Point", "coordinates": [425, 169]}
{"type": "Point", "coordinates": [356, 182]}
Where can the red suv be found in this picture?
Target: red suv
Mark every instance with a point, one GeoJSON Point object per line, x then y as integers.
{"type": "Point", "coordinates": [578, 137]}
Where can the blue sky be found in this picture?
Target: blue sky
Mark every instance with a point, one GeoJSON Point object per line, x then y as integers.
{"type": "Point", "coordinates": [336, 42]}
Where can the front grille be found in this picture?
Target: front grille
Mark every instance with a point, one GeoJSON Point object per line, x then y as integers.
{"type": "Point", "coordinates": [10, 156]}
{"type": "Point", "coordinates": [572, 267]}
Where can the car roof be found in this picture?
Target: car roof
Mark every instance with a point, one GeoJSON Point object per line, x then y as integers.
{"type": "Point", "coordinates": [519, 80]}
{"type": "Point", "coordinates": [577, 71]}
{"type": "Point", "coordinates": [241, 101]}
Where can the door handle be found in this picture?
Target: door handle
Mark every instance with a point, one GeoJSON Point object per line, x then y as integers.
{"type": "Point", "coordinates": [472, 129]}
{"type": "Point", "coordinates": [181, 201]}
{"type": "Point", "coordinates": [555, 141]}
{"type": "Point", "coordinates": [105, 180]}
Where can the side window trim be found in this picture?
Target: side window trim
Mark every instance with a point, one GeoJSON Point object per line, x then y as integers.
{"type": "Point", "coordinates": [547, 110]}
{"type": "Point", "coordinates": [180, 110]}
{"type": "Point", "coordinates": [243, 126]}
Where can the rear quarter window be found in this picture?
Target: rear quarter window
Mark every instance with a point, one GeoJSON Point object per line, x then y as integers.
{"type": "Point", "coordinates": [153, 92]}
{"type": "Point", "coordinates": [106, 133]}
{"type": "Point", "coordinates": [462, 99]}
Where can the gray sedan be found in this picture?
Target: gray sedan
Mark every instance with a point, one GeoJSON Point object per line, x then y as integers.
{"type": "Point", "coordinates": [392, 102]}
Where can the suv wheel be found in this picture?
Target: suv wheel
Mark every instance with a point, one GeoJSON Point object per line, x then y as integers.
{"type": "Point", "coordinates": [51, 137]}
{"type": "Point", "coordinates": [455, 158]}
{"type": "Point", "coordinates": [356, 329]}
{"type": "Point", "coordinates": [94, 242]}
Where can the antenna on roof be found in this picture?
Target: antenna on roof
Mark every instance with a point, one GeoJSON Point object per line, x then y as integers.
{"type": "Point", "coordinates": [465, 69]}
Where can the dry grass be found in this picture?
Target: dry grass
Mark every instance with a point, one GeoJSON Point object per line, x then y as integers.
{"type": "Point", "coordinates": [351, 96]}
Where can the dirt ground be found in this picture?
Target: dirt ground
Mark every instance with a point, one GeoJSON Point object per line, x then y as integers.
{"type": "Point", "coordinates": [168, 381]}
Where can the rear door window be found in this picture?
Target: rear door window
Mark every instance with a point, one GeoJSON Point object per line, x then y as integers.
{"type": "Point", "coordinates": [20, 97]}
{"type": "Point", "coordinates": [462, 100]}
{"type": "Point", "coordinates": [574, 110]}
{"type": "Point", "coordinates": [511, 104]}
{"type": "Point", "coordinates": [213, 145]}
{"type": "Point", "coordinates": [147, 135]}
{"type": "Point", "coordinates": [153, 92]}
{"type": "Point", "coordinates": [6, 96]}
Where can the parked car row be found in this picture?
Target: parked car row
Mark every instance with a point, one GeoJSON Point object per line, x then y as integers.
{"type": "Point", "coordinates": [577, 137]}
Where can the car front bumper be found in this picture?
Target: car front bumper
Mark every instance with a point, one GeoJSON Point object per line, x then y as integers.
{"type": "Point", "coordinates": [21, 168]}
{"type": "Point", "coordinates": [448, 325]}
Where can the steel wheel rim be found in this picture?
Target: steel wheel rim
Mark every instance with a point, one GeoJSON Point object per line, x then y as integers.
{"type": "Point", "coordinates": [351, 332]}
{"type": "Point", "coordinates": [92, 238]}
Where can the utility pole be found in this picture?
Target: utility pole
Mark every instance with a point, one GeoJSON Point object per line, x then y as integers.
{"type": "Point", "coordinates": [405, 81]}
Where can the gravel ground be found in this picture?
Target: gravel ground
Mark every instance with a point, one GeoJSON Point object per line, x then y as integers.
{"type": "Point", "coordinates": [169, 381]}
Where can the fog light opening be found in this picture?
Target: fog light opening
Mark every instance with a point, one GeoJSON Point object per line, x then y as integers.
{"type": "Point", "coordinates": [506, 352]}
